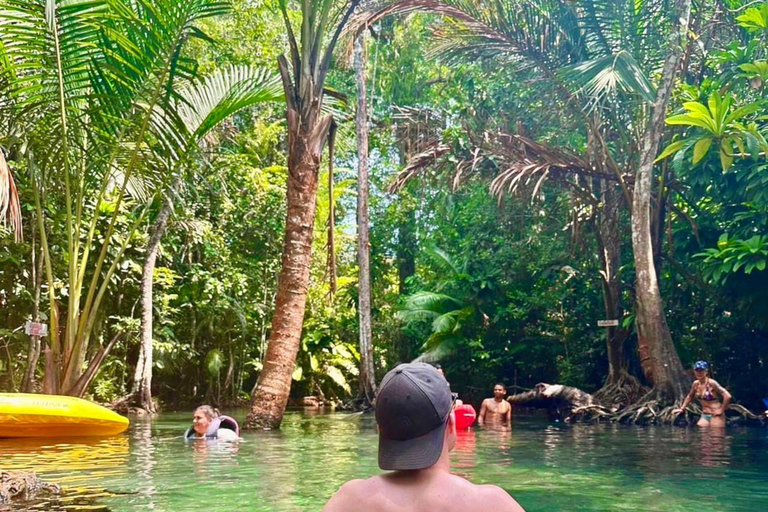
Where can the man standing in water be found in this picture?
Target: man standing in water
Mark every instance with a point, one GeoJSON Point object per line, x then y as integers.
{"type": "Point", "coordinates": [417, 430]}
{"type": "Point", "coordinates": [496, 411]}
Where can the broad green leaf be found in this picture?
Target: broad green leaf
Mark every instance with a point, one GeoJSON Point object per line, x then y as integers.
{"type": "Point", "coordinates": [692, 120]}
{"type": "Point", "coordinates": [726, 160]}
{"type": "Point", "coordinates": [713, 102]}
{"type": "Point", "coordinates": [670, 150]}
{"type": "Point", "coordinates": [695, 106]}
{"type": "Point", "coordinates": [755, 19]}
{"type": "Point", "coordinates": [338, 377]}
{"type": "Point", "coordinates": [700, 149]}
{"type": "Point", "coordinates": [741, 112]}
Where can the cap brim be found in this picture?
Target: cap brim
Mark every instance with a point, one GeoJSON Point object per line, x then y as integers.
{"type": "Point", "coordinates": [418, 453]}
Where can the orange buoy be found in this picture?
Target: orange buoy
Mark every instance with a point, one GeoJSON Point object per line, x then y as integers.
{"type": "Point", "coordinates": [465, 416]}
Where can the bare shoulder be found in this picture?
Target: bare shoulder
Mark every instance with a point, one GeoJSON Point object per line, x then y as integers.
{"type": "Point", "coordinates": [716, 385]}
{"type": "Point", "coordinates": [497, 499]}
{"type": "Point", "coordinates": [348, 496]}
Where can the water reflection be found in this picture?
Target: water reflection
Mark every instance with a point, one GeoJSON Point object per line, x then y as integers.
{"type": "Point", "coordinates": [547, 467]}
{"type": "Point", "coordinates": [464, 456]}
{"type": "Point", "coordinates": [80, 466]}
{"type": "Point", "coordinates": [713, 448]}
{"type": "Point", "coordinates": [76, 454]}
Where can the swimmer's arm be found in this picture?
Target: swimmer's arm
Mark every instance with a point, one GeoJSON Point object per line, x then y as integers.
{"type": "Point", "coordinates": [346, 499]}
{"type": "Point", "coordinates": [508, 416]}
{"type": "Point", "coordinates": [724, 393]}
{"type": "Point", "coordinates": [481, 416]}
{"type": "Point", "coordinates": [687, 400]}
{"type": "Point", "coordinates": [497, 499]}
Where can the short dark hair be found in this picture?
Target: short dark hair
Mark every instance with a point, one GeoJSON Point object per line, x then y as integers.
{"type": "Point", "coordinates": [500, 384]}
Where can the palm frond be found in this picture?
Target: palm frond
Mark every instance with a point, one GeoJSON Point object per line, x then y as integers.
{"type": "Point", "coordinates": [431, 155]}
{"type": "Point", "coordinates": [438, 347]}
{"type": "Point", "coordinates": [428, 304]}
{"type": "Point", "coordinates": [204, 105]}
{"type": "Point", "coordinates": [443, 260]}
{"type": "Point", "coordinates": [605, 76]}
{"type": "Point", "coordinates": [10, 207]}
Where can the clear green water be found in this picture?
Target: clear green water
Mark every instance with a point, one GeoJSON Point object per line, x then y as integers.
{"type": "Point", "coordinates": [547, 467]}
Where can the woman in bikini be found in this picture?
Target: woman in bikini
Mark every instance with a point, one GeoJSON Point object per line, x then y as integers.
{"type": "Point", "coordinates": [708, 392]}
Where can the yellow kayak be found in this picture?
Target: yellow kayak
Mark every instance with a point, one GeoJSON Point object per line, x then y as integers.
{"type": "Point", "coordinates": [31, 415]}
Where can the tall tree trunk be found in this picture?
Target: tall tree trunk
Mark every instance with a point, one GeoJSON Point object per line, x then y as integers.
{"type": "Point", "coordinates": [620, 388]}
{"type": "Point", "coordinates": [331, 219]}
{"type": "Point", "coordinates": [142, 377]}
{"type": "Point", "coordinates": [609, 240]}
{"type": "Point", "coordinates": [306, 134]}
{"type": "Point", "coordinates": [367, 376]}
{"type": "Point", "coordinates": [33, 356]}
{"type": "Point", "coordinates": [666, 370]}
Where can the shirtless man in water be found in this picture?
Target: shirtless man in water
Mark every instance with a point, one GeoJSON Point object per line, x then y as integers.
{"type": "Point", "coordinates": [496, 410]}
{"type": "Point", "coordinates": [417, 430]}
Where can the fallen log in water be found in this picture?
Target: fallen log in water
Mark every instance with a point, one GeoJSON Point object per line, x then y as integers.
{"type": "Point", "coordinates": [556, 398]}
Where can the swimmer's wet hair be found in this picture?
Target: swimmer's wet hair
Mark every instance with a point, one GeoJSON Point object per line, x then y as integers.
{"type": "Point", "coordinates": [210, 412]}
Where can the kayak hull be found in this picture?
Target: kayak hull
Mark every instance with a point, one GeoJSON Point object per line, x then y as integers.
{"type": "Point", "coordinates": [31, 415]}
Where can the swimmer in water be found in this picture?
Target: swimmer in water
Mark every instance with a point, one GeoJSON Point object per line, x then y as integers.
{"type": "Point", "coordinates": [709, 393]}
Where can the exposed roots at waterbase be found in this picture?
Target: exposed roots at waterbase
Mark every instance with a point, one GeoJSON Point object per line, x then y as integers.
{"type": "Point", "coordinates": [620, 392]}
{"type": "Point", "coordinates": [573, 405]}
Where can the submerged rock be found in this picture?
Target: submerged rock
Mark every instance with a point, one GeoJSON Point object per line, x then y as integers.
{"type": "Point", "coordinates": [23, 486]}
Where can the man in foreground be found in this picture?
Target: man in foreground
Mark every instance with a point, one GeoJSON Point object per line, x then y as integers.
{"type": "Point", "coordinates": [496, 411]}
{"type": "Point", "coordinates": [417, 430]}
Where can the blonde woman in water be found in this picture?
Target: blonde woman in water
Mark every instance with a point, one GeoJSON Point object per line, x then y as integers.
{"type": "Point", "coordinates": [709, 393]}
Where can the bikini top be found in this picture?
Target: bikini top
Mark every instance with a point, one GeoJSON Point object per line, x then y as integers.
{"type": "Point", "coordinates": [707, 394]}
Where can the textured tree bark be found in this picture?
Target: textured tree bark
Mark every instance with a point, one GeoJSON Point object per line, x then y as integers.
{"type": "Point", "coordinates": [620, 387]}
{"type": "Point", "coordinates": [609, 241]}
{"type": "Point", "coordinates": [142, 377]}
{"type": "Point", "coordinates": [666, 370]}
{"type": "Point", "coordinates": [33, 356]}
{"type": "Point", "coordinates": [306, 135]}
{"type": "Point", "coordinates": [367, 376]}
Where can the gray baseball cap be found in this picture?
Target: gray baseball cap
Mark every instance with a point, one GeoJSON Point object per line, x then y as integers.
{"type": "Point", "coordinates": [412, 410]}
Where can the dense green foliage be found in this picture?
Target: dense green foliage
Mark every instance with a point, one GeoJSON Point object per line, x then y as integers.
{"type": "Point", "coordinates": [497, 287]}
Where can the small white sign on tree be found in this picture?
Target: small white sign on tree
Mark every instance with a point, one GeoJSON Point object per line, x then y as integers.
{"type": "Point", "coordinates": [607, 323]}
{"type": "Point", "coordinates": [36, 329]}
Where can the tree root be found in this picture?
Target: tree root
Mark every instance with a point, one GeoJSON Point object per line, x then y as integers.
{"type": "Point", "coordinates": [574, 405]}
{"type": "Point", "coordinates": [130, 404]}
{"type": "Point", "coordinates": [620, 391]}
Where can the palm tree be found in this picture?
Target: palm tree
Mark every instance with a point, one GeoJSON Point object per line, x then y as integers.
{"type": "Point", "coordinates": [92, 87]}
{"type": "Point", "coordinates": [456, 299]}
{"type": "Point", "coordinates": [322, 22]}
